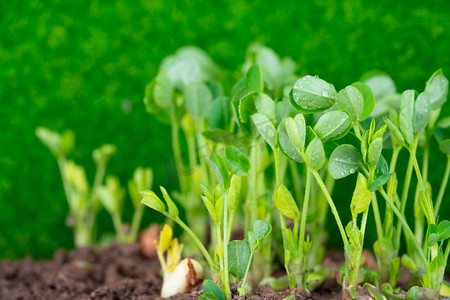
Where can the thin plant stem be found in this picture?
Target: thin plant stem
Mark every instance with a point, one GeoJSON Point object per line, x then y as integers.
{"type": "Point", "coordinates": [332, 206]}
{"type": "Point", "coordinates": [225, 246]}
{"type": "Point", "coordinates": [196, 241]}
{"type": "Point", "coordinates": [405, 191]}
{"type": "Point", "coordinates": [442, 188]}
{"type": "Point", "coordinates": [136, 223]}
{"type": "Point", "coordinates": [247, 269]}
{"type": "Point", "coordinates": [376, 211]}
{"type": "Point", "coordinates": [117, 222]}
{"type": "Point", "coordinates": [304, 211]}
{"type": "Point", "coordinates": [405, 225]}
{"type": "Point", "coordinates": [219, 240]}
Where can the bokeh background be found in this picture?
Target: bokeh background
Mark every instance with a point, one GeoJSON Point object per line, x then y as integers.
{"type": "Point", "coordinates": [83, 65]}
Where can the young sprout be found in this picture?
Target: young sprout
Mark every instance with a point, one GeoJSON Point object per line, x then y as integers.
{"type": "Point", "coordinates": [179, 276]}
{"type": "Point", "coordinates": [83, 201]}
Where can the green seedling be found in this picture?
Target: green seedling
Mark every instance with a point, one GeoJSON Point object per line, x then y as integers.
{"type": "Point", "coordinates": [83, 200]}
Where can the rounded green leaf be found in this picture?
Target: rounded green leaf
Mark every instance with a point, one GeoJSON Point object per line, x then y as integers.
{"type": "Point", "coordinates": [443, 230]}
{"type": "Point", "coordinates": [436, 89]}
{"type": "Point", "coordinates": [252, 241]}
{"type": "Point", "coordinates": [312, 94]}
{"type": "Point", "coordinates": [422, 111]}
{"type": "Point", "coordinates": [369, 99]}
{"type": "Point", "coordinates": [261, 229]}
{"type": "Point", "coordinates": [238, 257]}
{"type": "Point", "coordinates": [163, 91]}
{"type": "Point", "coordinates": [265, 105]}
{"type": "Point", "coordinates": [380, 181]}
{"type": "Point", "coordinates": [344, 160]}
{"type": "Point", "coordinates": [361, 196]}
{"type": "Point", "coordinates": [296, 130]}
{"type": "Point", "coordinates": [197, 100]}
{"type": "Point", "coordinates": [210, 287]}
{"type": "Point", "coordinates": [265, 128]}
{"type": "Point", "coordinates": [254, 80]}
{"type": "Point", "coordinates": [352, 101]}
{"type": "Point", "coordinates": [285, 203]}
{"type": "Point", "coordinates": [332, 125]}
{"type": "Point", "coordinates": [315, 154]}
{"type": "Point", "coordinates": [444, 146]}
{"type": "Point", "coordinates": [380, 84]}
{"type": "Point", "coordinates": [220, 169]}
{"type": "Point", "coordinates": [150, 199]}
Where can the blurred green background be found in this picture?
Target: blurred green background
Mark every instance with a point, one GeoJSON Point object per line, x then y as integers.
{"type": "Point", "coordinates": [84, 65]}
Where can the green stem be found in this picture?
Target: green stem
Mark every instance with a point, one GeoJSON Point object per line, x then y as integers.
{"type": "Point", "coordinates": [66, 185]}
{"type": "Point", "coordinates": [304, 212]}
{"type": "Point", "coordinates": [426, 156]}
{"type": "Point", "coordinates": [219, 240]}
{"type": "Point", "coordinates": [376, 211]}
{"type": "Point", "coordinates": [442, 188]}
{"type": "Point", "coordinates": [225, 246]}
{"type": "Point", "coordinates": [196, 241]}
{"type": "Point", "coordinates": [247, 269]}
{"type": "Point", "coordinates": [177, 150]}
{"type": "Point", "coordinates": [332, 206]}
{"type": "Point", "coordinates": [405, 225]}
{"type": "Point", "coordinates": [117, 222]}
{"type": "Point", "coordinates": [136, 223]}
{"type": "Point", "coordinates": [405, 191]}
{"type": "Point", "coordinates": [356, 129]}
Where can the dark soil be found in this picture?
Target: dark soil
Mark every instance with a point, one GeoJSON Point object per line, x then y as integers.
{"type": "Point", "coordinates": [116, 272]}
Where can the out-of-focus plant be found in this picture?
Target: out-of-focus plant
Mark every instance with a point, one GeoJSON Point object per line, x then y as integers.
{"type": "Point", "coordinates": [82, 199]}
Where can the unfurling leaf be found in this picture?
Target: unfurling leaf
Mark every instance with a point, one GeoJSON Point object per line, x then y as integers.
{"type": "Point", "coordinates": [312, 94]}
{"type": "Point", "coordinates": [150, 199]}
{"type": "Point", "coordinates": [237, 160]}
{"type": "Point", "coordinates": [361, 196]}
{"type": "Point", "coordinates": [344, 160]}
{"type": "Point", "coordinates": [233, 192]}
{"type": "Point", "coordinates": [238, 257]}
{"type": "Point", "coordinates": [165, 238]}
{"type": "Point", "coordinates": [173, 210]}
{"type": "Point", "coordinates": [220, 169]}
{"type": "Point", "coordinates": [290, 135]}
{"type": "Point", "coordinates": [285, 203]}
{"type": "Point", "coordinates": [254, 81]}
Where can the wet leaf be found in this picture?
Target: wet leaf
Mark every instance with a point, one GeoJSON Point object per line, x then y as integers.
{"type": "Point", "coordinates": [315, 154]}
{"type": "Point", "coordinates": [436, 89]}
{"type": "Point", "coordinates": [344, 160]}
{"type": "Point", "coordinates": [369, 99]}
{"type": "Point", "coordinates": [352, 101]}
{"type": "Point", "coordinates": [312, 94]}
{"type": "Point", "coordinates": [332, 125]}
{"type": "Point", "coordinates": [422, 112]}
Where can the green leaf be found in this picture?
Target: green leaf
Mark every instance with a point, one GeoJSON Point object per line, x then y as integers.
{"type": "Point", "coordinates": [444, 146]}
{"type": "Point", "coordinates": [218, 208]}
{"type": "Point", "coordinates": [237, 161]}
{"type": "Point", "coordinates": [437, 89]}
{"type": "Point", "coordinates": [315, 154]}
{"type": "Point", "coordinates": [208, 296]}
{"type": "Point", "coordinates": [289, 139]}
{"type": "Point", "coordinates": [351, 101]}
{"type": "Point", "coordinates": [254, 80]}
{"type": "Point", "coordinates": [285, 203]}
{"type": "Point", "coordinates": [220, 169]}
{"type": "Point", "coordinates": [369, 99]}
{"type": "Point", "coordinates": [361, 196]}
{"type": "Point", "coordinates": [261, 229]}
{"type": "Point", "coordinates": [420, 293]}
{"type": "Point", "coordinates": [238, 257]}
{"type": "Point", "coordinates": [59, 144]}
{"type": "Point", "coordinates": [247, 107]}
{"type": "Point", "coordinates": [380, 181]}
{"type": "Point", "coordinates": [265, 128]}
{"type": "Point", "coordinates": [233, 192]}
{"type": "Point", "coordinates": [333, 125]}
{"type": "Point", "coordinates": [374, 151]}
{"type": "Point", "coordinates": [406, 125]}
{"type": "Point", "coordinates": [382, 167]}
{"type": "Point", "coordinates": [222, 136]}
{"type": "Point", "coordinates": [220, 113]}
{"type": "Point", "coordinates": [395, 131]}
{"type": "Point", "coordinates": [163, 91]}
{"type": "Point", "coordinates": [380, 83]}
{"type": "Point", "coordinates": [344, 160]}
{"type": "Point", "coordinates": [211, 209]}
{"type": "Point", "coordinates": [197, 100]}
{"type": "Point", "coordinates": [432, 235]}
{"type": "Point", "coordinates": [210, 287]}
{"type": "Point", "coordinates": [312, 94]}
{"type": "Point", "coordinates": [265, 106]}
{"type": "Point", "coordinates": [173, 210]}
{"type": "Point", "coordinates": [443, 230]}
{"type": "Point", "coordinates": [150, 199]}
{"type": "Point", "coordinates": [421, 113]}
